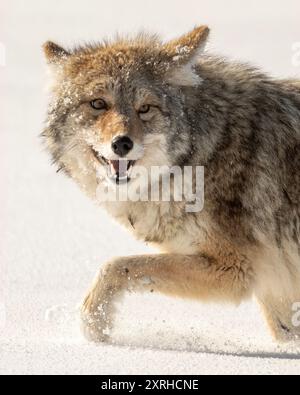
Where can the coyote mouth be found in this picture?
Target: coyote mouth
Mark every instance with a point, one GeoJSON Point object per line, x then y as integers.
{"type": "Point", "coordinates": [118, 171]}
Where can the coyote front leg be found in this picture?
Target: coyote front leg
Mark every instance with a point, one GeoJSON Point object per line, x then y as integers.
{"type": "Point", "coordinates": [192, 276]}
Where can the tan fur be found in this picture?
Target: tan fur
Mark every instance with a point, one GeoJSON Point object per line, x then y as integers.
{"type": "Point", "coordinates": [187, 276]}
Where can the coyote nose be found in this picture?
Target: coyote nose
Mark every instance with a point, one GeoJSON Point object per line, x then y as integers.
{"type": "Point", "coordinates": [121, 145]}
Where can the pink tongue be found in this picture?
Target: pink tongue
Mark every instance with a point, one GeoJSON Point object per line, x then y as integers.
{"type": "Point", "coordinates": [115, 165]}
{"type": "Point", "coordinates": [120, 166]}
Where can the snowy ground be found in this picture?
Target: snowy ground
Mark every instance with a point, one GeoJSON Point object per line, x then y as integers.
{"type": "Point", "coordinates": [53, 239]}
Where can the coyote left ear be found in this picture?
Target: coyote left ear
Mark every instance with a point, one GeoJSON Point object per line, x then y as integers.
{"type": "Point", "coordinates": [183, 54]}
{"type": "Point", "coordinates": [54, 53]}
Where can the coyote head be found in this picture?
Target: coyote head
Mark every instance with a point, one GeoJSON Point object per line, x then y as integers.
{"type": "Point", "coordinates": [119, 103]}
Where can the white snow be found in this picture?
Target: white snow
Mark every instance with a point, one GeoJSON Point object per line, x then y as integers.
{"type": "Point", "coordinates": [53, 239]}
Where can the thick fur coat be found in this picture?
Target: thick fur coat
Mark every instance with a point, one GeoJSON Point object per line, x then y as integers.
{"type": "Point", "coordinates": [182, 107]}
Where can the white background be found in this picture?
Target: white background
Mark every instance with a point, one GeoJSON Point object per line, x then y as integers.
{"type": "Point", "coordinates": [53, 239]}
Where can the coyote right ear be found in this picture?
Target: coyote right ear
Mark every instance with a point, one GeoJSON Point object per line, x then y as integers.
{"type": "Point", "coordinates": [183, 54]}
{"type": "Point", "coordinates": [187, 47]}
{"type": "Point", "coordinates": [54, 53]}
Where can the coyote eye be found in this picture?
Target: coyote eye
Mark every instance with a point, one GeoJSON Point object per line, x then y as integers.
{"type": "Point", "coordinates": [98, 104]}
{"type": "Point", "coordinates": [144, 109]}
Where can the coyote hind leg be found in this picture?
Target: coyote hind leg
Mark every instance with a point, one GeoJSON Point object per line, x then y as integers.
{"type": "Point", "coordinates": [281, 317]}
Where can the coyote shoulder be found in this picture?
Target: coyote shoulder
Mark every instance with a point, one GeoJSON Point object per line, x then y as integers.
{"type": "Point", "coordinates": [142, 102]}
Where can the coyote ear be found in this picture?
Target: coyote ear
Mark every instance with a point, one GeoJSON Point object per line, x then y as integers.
{"type": "Point", "coordinates": [189, 46]}
{"type": "Point", "coordinates": [183, 54]}
{"type": "Point", "coordinates": [54, 53]}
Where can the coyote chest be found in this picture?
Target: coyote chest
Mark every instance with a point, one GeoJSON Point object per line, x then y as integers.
{"type": "Point", "coordinates": [164, 225]}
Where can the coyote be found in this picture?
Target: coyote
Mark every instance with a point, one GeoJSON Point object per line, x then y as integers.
{"type": "Point", "coordinates": [142, 101]}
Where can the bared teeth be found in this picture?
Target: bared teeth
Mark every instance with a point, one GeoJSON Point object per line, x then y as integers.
{"type": "Point", "coordinates": [120, 171]}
